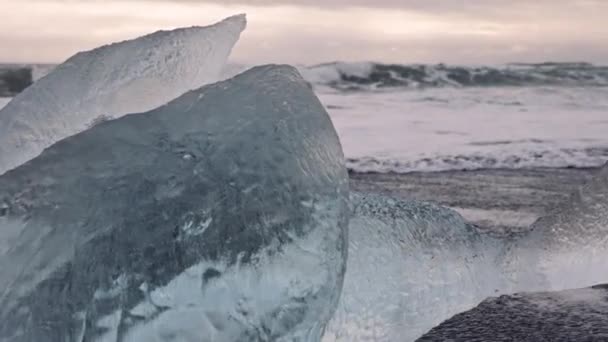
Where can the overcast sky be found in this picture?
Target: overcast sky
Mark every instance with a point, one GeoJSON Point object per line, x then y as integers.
{"type": "Point", "coordinates": [313, 31]}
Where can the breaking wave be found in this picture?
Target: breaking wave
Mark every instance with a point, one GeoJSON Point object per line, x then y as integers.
{"type": "Point", "coordinates": [365, 76]}
{"type": "Point", "coordinates": [560, 158]}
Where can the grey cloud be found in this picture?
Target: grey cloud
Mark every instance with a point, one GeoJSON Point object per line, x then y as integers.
{"type": "Point", "coordinates": [431, 6]}
{"type": "Point", "coordinates": [294, 48]}
{"type": "Point", "coordinates": [467, 7]}
{"type": "Point", "coordinates": [525, 30]}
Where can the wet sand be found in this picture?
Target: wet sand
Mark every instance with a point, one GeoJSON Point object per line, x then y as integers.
{"type": "Point", "coordinates": [565, 316]}
{"type": "Point", "coordinates": [496, 199]}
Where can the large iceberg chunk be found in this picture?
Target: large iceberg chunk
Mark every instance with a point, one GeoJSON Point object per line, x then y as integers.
{"type": "Point", "coordinates": [410, 266]}
{"type": "Point", "coordinates": [221, 216]}
{"type": "Point", "coordinates": [569, 248]}
{"type": "Point", "coordinates": [110, 81]}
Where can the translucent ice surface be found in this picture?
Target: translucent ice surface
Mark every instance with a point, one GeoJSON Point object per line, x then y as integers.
{"type": "Point", "coordinates": [568, 248]}
{"type": "Point", "coordinates": [110, 81]}
{"type": "Point", "coordinates": [221, 216]}
{"type": "Point", "coordinates": [410, 266]}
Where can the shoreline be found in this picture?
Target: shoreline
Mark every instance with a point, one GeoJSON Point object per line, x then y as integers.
{"type": "Point", "coordinates": [499, 200]}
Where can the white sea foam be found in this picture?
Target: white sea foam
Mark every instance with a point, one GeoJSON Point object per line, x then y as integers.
{"type": "Point", "coordinates": [470, 128]}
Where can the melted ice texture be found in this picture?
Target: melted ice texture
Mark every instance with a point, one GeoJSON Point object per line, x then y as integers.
{"type": "Point", "coordinates": [110, 81]}
{"type": "Point", "coordinates": [410, 266]}
{"type": "Point", "coordinates": [569, 248]}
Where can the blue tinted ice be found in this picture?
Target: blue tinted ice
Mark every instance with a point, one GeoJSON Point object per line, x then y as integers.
{"type": "Point", "coordinates": [410, 266]}
{"type": "Point", "coordinates": [221, 216]}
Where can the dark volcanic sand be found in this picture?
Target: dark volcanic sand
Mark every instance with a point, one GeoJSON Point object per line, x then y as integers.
{"type": "Point", "coordinates": [567, 316]}
{"type": "Point", "coordinates": [498, 199]}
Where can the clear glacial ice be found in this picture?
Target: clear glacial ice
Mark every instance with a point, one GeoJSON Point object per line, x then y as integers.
{"type": "Point", "coordinates": [568, 248]}
{"type": "Point", "coordinates": [221, 216]}
{"type": "Point", "coordinates": [107, 82]}
{"type": "Point", "coordinates": [410, 266]}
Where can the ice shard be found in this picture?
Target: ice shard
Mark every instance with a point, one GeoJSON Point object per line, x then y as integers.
{"type": "Point", "coordinates": [110, 81]}
{"type": "Point", "coordinates": [221, 216]}
{"type": "Point", "coordinates": [410, 266]}
{"type": "Point", "coordinates": [568, 248]}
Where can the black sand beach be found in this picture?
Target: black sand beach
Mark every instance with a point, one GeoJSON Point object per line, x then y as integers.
{"type": "Point", "coordinates": [502, 200]}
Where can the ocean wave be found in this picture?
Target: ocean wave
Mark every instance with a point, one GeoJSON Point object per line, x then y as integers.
{"type": "Point", "coordinates": [366, 76]}
{"type": "Point", "coordinates": [376, 75]}
{"type": "Point", "coordinates": [560, 158]}
{"type": "Point", "coordinates": [14, 79]}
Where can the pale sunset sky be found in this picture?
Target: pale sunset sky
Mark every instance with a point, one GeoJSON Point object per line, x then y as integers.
{"type": "Point", "coordinates": [314, 31]}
